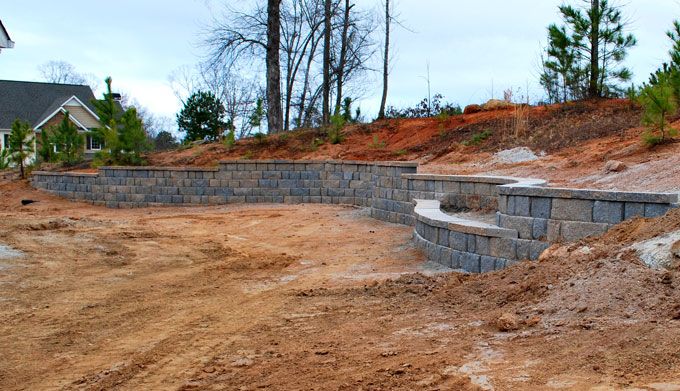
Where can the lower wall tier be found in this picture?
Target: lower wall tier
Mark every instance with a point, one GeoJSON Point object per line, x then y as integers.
{"type": "Point", "coordinates": [529, 216]}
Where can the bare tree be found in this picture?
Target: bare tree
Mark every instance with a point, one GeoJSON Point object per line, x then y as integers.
{"type": "Point", "coordinates": [301, 22]}
{"type": "Point", "coordinates": [354, 51]}
{"type": "Point", "coordinates": [343, 55]}
{"type": "Point", "coordinates": [239, 40]}
{"type": "Point", "coordinates": [386, 60]}
{"type": "Point", "coordinates": [327, 62]}
{"type": "Point", "coordinates": [274, 114]}
{"type": "Point", "coordinates": [62, 72]}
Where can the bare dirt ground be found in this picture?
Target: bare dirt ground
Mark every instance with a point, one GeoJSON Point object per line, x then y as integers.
{"type": "Point", "coordinates": [315, 298]}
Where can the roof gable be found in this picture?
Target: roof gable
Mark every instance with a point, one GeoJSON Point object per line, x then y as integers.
{"type": "Point", "coordinates": [5, 41]}
{"type": "Point", "coordinates": [33, 102]}
{"type": "Point", "coordinates": [79, 113]}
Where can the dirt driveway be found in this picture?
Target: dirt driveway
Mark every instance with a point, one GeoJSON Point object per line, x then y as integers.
{"type": "Point", "coordinates": [295, 297]}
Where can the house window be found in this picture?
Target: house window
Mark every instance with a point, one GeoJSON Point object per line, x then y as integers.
{"type": "Point", "coordinates": [5, 140]}
{"type": "Point", "coordinates": [93, 144]}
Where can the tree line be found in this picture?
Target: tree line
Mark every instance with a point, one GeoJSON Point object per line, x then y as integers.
{"type": "Point", "coordinates": [315, 56]}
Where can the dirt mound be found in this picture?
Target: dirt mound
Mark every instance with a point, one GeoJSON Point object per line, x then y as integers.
{"type": "Point", "coordinates": [429, 139]}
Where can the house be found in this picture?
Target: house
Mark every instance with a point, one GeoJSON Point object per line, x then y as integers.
{"type": "Point", "coordinates": [5, 41]}
{"type": "Point", "coordinates": [44, 105]}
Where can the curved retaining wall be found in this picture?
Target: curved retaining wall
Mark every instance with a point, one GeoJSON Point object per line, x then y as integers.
{"type": "Point", "coordinates": [529, 215]}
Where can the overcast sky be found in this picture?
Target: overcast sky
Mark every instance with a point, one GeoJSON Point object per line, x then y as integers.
{"type": "Point", "coordinates": [469, 45]}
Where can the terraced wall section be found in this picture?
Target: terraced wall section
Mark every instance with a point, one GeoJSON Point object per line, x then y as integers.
{"type": "Point", "coordinates": [528, 215]}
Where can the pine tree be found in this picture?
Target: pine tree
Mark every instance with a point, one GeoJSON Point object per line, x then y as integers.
{"type": "Point", "coordinates": [659, 101]}
{"type": "Point", "coordinates": [132, 138]}
{"type": "Point", "coordinates": [257, 115]}
{"type": "Point", "coordinates": [122, 133]}
{"type": "Point", "coordinates": [202, 117]}
{"type": "Point", "coordinates": [583, 58]}
{"type": "Point", "coordinates": [21, 144]}
{"type": "Point", "coordinates": [107, 132]}
{"type": "Point", "coordinates": [69, 142]}
{"type": "Point", "coordinates": [46, 150]}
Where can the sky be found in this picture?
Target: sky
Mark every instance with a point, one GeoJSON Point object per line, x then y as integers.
{"type": "Point", "coordinates": [475, 50]}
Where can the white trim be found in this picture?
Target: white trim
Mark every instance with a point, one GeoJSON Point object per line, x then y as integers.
{"type": "Point", "coordinates": [61, 107]}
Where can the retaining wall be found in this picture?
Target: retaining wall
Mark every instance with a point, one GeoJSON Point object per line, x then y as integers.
{"type": "Point", "coordinates": [529, 215]}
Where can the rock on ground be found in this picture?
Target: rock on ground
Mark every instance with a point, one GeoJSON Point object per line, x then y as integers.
{"type": "Point", "coordinates": [515, 155]}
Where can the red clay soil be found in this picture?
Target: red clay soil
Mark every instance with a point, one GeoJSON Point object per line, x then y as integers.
{"type": "Point", "coordinates": [428, 139]}
{"type": "Point", "coordinates": [574, 141]}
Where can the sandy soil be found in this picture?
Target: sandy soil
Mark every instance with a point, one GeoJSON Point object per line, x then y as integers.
{"type": "Point", "coordinates": [315, 298]}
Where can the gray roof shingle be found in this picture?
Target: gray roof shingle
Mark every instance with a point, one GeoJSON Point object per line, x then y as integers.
{"type": "Point", "coordinates": [33, 101]}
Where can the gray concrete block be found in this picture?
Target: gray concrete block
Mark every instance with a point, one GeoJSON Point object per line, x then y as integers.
{"type": "Point", "coordinates": [523, 249]}
{"type": "Point", "coordinates": [633, 209]}
{"type": "Point", "coordinates": [656, 210]}
{"type": "Point", "coordinates": [443, 237]}
{"type": "Point", "coordinates": [554, 228]}
{"type": "Point", "coordinates": [572, 210]}
{"type": "Point", "coordinates": [470, 262]}
{"type": "Point", "coordinates": [501, 263]}
{"type": "Point", "coordinates": [503, 204]}
{"type": "Point", "coordinates": [608, 212]}
{"type": "Point", "coordinates": [537, 249]}
{"type": "Point", "coordinates": [572, 231]}
{"type": "Point", "coordinates": [458, 241]}
{"type": "Point", "coordinates": [523, 225]}
{"type": "Point", "coordinates": [456, 259]}
{"type": "Point", "coordinates": [471, 244]}
{"type": "Point", "coordinates": [467, 188]}
{"type": "Point", "coordinates": [487, 264]}
{"type": "Point", "coordinates": [540, 229]}
{"type": "Point", "coordinates": [521, 206]}
{"type": "Point", "coordinates": [485, 189]}
{"type": "Point", "coordinates": [540, 207]}
{"type": "Point", "coordinates": [504, 248]}
{"type": "Point", "coordinates": [482, 245]}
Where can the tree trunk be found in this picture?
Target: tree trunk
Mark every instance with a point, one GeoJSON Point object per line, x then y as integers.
{"type": "Point", "coordinates": [594, 90]}
{"type": "Point", "coordinates": [343, 58]}
{"type": "Point", "coordinates": [305, 84]}
{"type": "Point", "coordinates": [327, 63]}
{"type": "Point", "coordinates": [274, 112]}
{"type": "Point", "coordinates": [386, 60]}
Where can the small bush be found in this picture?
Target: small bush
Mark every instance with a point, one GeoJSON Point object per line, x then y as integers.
{"type": "Point", "coordinates": [425, 109]}
{"type": "Point", "coordinates": [248, 155]}
{"type": "Point", "coordinates": [376, 143]}
{"type": "Point", "coordinates": [400, 152]}
{"type": "Point", "coordinates": [334, 131]}
{"type": "Point", "coordinates": [478, 138]}
{"type": "Point", "coordinates": [315, 144]}
{"type": "Point", "coordinates": [230, 139]}
{"type": "Point", "coordinates": [260, 138]}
